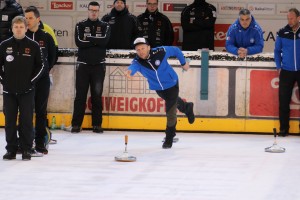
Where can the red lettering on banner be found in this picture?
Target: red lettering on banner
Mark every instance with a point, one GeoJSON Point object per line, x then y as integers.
{"type": "Point", "coordinates": [168, 7]}
{"type": "Point", "coordinates": [59, 5]}
{"type": "Point", "coordinates": [220, 34]}
{"type": "Point", "coordinates": [160, 104]}
{"type": "Point", "coordinates": [142, 105]}
{"type": "Point", "coordinates": [133, 104]}
{"type": "Point", "coordinates": [126, 104]}
{"type": "Point", "coordinates": [120, 104]}
{"type": "Point", "coordinates": [130, 104]}
{"type": "Point", "coordinates": [264, 95]}
{"type": "Point", "coordinates": [110, 103]}
{"type": "Point", "coordinates": [151, 104]}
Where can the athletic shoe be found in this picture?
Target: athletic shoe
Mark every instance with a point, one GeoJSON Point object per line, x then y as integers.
{"type": "Point", "coordinates": [41, 149]}
{"type": "Point", "coordinates": [168, 141]}
{"type": "Point", "coordinates": [9, 156]}
{"type": "Point", "coordinates": [73, 129]}
{"type": "Point", "coordinates": [34, 153]}
{"type": "Point", "coordinates": [190, 112]}
{"type": "Point", "coordinates": [52, 141]}
{"type": "Point", "coordinates": [26, 155]}
{"type": "Point", "coordinates": [97, 129]}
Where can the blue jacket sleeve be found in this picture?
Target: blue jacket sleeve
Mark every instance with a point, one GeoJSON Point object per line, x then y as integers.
{"type": "Point", "coordinates": [230, 41]}
{"type": "Point", "coordinates": [175, 51]}
{"type": "Point", "coordinates": [134, 67]}
{"type": "Point", "coordinates": [277, 52]}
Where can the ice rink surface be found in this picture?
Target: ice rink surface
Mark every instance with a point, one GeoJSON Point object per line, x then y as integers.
{"type": "Point", "coordinates": [201, 166]}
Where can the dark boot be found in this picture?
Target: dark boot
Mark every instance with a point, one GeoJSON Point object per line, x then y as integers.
{"type": "Point", "coordinates": [170, 134]}
{"type": "Point", "coordinates": [40, 147]}
{"type": "Point", "coordinates": [9, 156]}
{"type": "Point", "coordinates": [26, 155]}
{"type": "Point", "coordinates": [97, 129]}
{"type": "Point", "coordinates": [189, 111]}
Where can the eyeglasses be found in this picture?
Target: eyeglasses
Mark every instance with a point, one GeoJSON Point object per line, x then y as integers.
{"type": "Point", "coordinates": [152, 4]}
{"type": "Point", "coordinates": [93, 11]}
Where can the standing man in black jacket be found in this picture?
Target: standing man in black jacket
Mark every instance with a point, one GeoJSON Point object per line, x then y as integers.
{"type": "Point", "coordinates": [91, 38]}
{"type": "Point", "coordinates": [124, 28]}
{"type": "Point", "coordinates": [155, 26]}
{"type": "Point", "coordinates": [21, 66]}
{"type": "Point", "coordinates": [42, 88]}
{"type": "Point", "coordinates": [198, 24]}
{"type": "Point", "coordinates": [8, 10]}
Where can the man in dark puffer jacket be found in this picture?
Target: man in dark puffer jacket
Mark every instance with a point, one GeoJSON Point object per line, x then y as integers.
{"type": "Point", "coordinates": [123, 25]}
{"type": "Point", "coordinates": [8, 10]}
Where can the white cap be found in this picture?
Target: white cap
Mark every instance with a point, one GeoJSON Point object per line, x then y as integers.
{"type": "Point", "coordinates": [140, 40]}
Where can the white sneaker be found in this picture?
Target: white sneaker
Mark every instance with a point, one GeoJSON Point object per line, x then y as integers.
{"type": "Point", "coordinates": [52, 141]}
{"type": "Point", "coordinates": [34, 153]}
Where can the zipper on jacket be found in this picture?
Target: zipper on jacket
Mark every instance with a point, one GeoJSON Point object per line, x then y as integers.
{"type": "Point", "coordinates": [156, 75]}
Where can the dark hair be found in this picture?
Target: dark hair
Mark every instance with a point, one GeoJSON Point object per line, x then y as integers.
{"type": "Point", "coordinates": [94, 3]}
{"type": "Point", "coordinates": [244, 12]}
{"type": "Point", "coordinates": [18, 20]}
{"type": "Point", "coordinates": [295, 10]}
{"type": "Point", "coordinates": [33, 9]}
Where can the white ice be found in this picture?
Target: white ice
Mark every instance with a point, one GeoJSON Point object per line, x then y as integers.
{"type": "Point", "coordinates": [201, 166]}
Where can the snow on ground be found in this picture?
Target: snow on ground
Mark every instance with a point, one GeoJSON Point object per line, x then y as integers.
{"type": "Point", "coordinates": [201, 166]}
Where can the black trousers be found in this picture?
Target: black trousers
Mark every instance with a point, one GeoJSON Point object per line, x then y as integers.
{"type": "Point", "coordinates": [172, 103]}
{"type": "Point", "coordinates": [42, 91]}
{"type": "Point", "coordinates": [287, 80]}
{"type": "Point", "coordinates": [22, 104]}
{"type": "Point", "coordinates": [89, 76]}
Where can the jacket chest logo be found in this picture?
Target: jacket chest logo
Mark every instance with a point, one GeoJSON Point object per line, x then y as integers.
{"type": "Point", "coordinates": [27, 50]}
{"type": "Point", "coordinates": [98, 29]}
{"type": "Point", "coordinates": [9, 58]}
{"type": "Point", "coordinates": [157, 62]}
{"type": "Point", "coordinates": [9, 50]}
{"type": "Point", "coordinates": [87, 30]}
{"type": "Point", "coordinates": [41, 43]}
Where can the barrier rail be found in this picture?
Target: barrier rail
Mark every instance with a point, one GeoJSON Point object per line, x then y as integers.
{"type": "Point", "coordinates": [242, 97]}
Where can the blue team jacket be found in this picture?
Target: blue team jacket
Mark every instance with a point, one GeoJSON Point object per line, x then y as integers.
{"type": "Point", "coordinates": [156, 69]}
{"type": "Point", "coordinates": [250, 38]}
{"type": "Point", "coordinates": [287, 49]}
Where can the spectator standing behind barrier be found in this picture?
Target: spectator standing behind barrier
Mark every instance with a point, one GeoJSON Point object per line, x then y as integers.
{"type": "Point", "coordinates": [161, 77]}
{"type": "Point", "coordinates": [21, 66]}
{"type": "Point", "coordinates": [45, 27]}
{"type": "Point", "coordinates": [244, 36]}
{"type": "Point", "coordinates": [287, 59]}
{"type": "Point", "coordinates": [123, 25]}
{"type": "Point", "coordinates": [155, 26]}
{"type": "Point", "coordinates": [91, 38]}
{"type": "Point", "coordinates": [8, 10]}
{"type": "Point", "coordinates": [198, 24]}
{"type": "Point", "coordinates": [42, 88]}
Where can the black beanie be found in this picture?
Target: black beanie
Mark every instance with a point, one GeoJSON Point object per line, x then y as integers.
{"type": "Point", "coordinates": [120, 0]}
